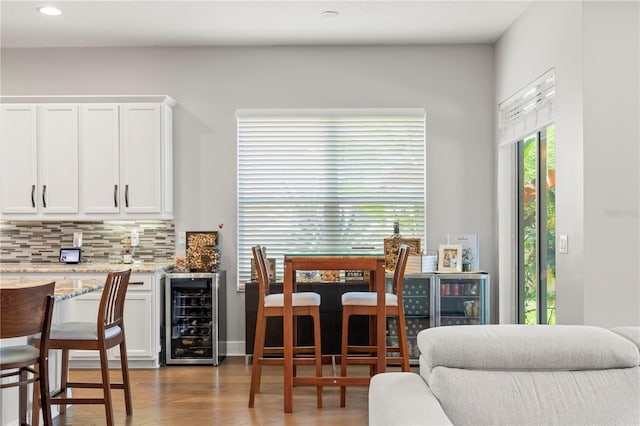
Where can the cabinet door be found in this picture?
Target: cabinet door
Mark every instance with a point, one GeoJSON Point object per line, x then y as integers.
{"type": "Point", "coordinates": [141, 158]}
{"type": "Point", "coordinates": [18, 159]}
{"type": "Point", "coordinates": [138, 322]}
{"type": "Point", "coordinates": [58, 158]}
{"type": "Point", "coordinates": [99, 158]}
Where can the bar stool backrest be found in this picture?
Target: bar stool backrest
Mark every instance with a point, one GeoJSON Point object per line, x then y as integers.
{"type": "Point", "coordinates": [23, 311]}
{"type": "Point", "coordinates": [263, 272]}
{"type": "Point", "coordinates": [111, 311]}
{"type": "Point", "coordinates": [398, 275]}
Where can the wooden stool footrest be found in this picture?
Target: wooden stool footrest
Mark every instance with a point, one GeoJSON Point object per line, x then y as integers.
{"type": "Point", "coordinates": [65, 401]}
{"type": "Point", "coordinates": [331, 381]}
{"type": "Point", "coordinates": [93, 385]}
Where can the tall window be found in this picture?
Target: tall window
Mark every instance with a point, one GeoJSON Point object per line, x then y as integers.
{"type": "Point", "coordinates": [327, 181]}
{"type": "Point", "coordinates": [537, 228]}
{"type": "Point", "coordinates": [527, 129]}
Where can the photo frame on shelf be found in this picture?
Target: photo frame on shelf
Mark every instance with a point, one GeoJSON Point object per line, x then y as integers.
{"type": "Point", "coordinates": [391, 247]}
{"type": "Point", "coordinates": [470, 248]}
{"type": "Point", "coordinates": [450, 258]}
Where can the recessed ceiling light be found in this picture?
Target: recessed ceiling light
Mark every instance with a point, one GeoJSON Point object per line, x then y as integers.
{"type": "Point", "coordinates": [330, 13]}
{"type": "Point", "coordinates": [50, 10]}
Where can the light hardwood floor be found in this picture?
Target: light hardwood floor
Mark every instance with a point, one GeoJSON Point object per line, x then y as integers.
{"type": "Point", "coordinates": [206, 395]}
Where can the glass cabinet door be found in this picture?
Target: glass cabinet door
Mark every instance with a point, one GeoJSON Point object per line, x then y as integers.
{"type": "Point", "coordinates": [416, 296]}
{"type": "Point", "coordinates": [461, 299]}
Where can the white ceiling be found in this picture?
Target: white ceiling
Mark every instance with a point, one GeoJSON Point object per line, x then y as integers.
{"type": "Point", "coordinates": [91, 23]}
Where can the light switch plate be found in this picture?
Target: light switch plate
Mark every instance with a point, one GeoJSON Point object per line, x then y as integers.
{"type": "Point", "coordinates": [135, 239]}
{"type": "Point", "coordinates": [563, 243]}
{"type": "Point", "coordinates": [182, 237]}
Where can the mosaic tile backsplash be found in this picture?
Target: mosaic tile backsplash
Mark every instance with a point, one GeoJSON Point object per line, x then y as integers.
{"type": "Point", "coordinates": [40, 242]}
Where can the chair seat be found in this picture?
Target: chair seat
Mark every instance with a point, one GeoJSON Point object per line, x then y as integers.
{"type": "Point", "coordinates": [366, 298]}
{"type": "Point", "coordinates": [19, 354]}
{"type": "Point", "coordinates": [80, 331]}
{"type": "Point", "coordinates": [303, 298]}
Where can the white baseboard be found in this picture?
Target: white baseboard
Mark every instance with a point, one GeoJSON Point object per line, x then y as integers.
{"type": "Point", "coordinates": [235, 348]}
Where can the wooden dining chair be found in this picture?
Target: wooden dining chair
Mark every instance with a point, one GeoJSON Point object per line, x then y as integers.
{"type": "Point", "coordinates": [365, 303]}
{"type": "Point", "coordinates": [272, 305]}
{"type": "Point", "coordinates": [26, 312]}
{"type": "Point", "coordinates": [105, 333]}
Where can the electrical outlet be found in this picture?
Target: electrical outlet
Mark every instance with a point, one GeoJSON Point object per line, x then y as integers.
{"type": "Point", "coordinates": [135, 240]}
{"type": "Point", "coordinates": [182, 238]}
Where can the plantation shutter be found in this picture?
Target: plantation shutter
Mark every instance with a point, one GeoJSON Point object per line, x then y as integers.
{"type": "Point", "coordinates": [327, 181]}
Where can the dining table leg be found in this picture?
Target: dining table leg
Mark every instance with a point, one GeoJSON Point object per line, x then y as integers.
{"type": "Point", "coordinates": [288, 336]}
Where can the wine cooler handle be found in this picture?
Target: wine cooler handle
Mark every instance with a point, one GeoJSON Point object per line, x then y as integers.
{"type": "Point", "coordinates": [126, 195]}
{"type": "Point", "coordinates": [115, 195]}
{"type": "Point", "coordinates": [44, 196]}
{"type": "Point", "coordinates": [33, 193]}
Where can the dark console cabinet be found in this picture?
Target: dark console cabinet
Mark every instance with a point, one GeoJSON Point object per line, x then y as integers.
{"type": "Point", "coordinates": [330, 317]}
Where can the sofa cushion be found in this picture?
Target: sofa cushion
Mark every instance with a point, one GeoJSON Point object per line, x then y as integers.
{"type": "Point", "coordinates": [524, 347]}
{"type": "Point", "coordinates": [631, 333]}
{"type": "Point", "coordinates": [594, 397]}
{"type": "Point", "coordinates": [403, 399]}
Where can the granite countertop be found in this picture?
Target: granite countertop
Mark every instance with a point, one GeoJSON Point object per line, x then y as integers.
{"type": "Point", "coordinates": [65, 289]}
{"type": "Point", "coordinates": [8, 268]}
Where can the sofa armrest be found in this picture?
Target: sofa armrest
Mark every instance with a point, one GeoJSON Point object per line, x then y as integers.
{"type": "Point", "coordinates": [403, 399]}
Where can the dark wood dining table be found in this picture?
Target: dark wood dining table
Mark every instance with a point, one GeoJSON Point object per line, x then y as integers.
{"type": "Point", "coordinates": [312, 262]}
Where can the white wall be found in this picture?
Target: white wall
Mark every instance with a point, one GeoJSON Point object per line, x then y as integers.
{"type": "Point", "coordinates": [611, 163]}
{"type": "Point", "coordinates": [453, 83]}
{"type": "Point", "coordinates": [586, 43]}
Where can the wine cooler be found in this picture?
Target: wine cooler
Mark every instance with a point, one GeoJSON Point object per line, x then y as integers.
{"type": "Point", "coordinates": [195, 318]}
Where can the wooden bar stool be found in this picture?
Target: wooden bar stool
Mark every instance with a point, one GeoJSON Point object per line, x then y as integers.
{"type": "Point", "coordinates": [100, 336]}
{"type": "Point", "coordinates": [365, 303]}
{"type": "Point", "coordinates": [272, 305]}
{"type": "Point", "coordinates": [26, 312]}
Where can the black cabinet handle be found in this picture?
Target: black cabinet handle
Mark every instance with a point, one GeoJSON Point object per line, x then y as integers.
{"type": "Point", "coordinates": [33, 193]}
{"type": "Point", "coordinates": [115, 195]}
{"type": "Point", "coordinates": [126, 195]}
{"type": "Point", "coordinates": [44, 196]}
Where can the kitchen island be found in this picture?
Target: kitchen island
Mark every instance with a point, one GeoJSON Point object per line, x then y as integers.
{"type": "Point", "coordinates": [142, 311]}
{"type": "Point", "coordinates": [65, 289]}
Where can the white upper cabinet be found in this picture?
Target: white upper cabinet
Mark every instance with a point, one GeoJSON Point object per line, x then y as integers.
{"type": "Point", "coordinates": [58, 158]}
{"type": "Point", "coordinates": [86, 158]}
{"type": "Point", "coordinates": [18, 159]}
{"type": "Point", "coordinates": [141, 158]}
{"type": "Point", "coordinates": [100, 158]}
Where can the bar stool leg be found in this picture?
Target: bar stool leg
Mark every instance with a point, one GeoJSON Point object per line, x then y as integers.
{"type": "Point", "coordinates": [64, 379]}
{"type": "Point", "coordinates": [402, 341]}
{"type": "Point", "coordinates": [106, 386]}
{"type": "Point", "coordinates": [318, 352]}
{"type": "Point", "coordinates": [124, 363]}
{"type": "Point", "coordinates": [22, 395]}
{"type": "Point", "coordinates": [45, 396]}
{"type": "Point", "coordinates": [343, 353]}
{"type": "Point", "coordinates": [258, 351]}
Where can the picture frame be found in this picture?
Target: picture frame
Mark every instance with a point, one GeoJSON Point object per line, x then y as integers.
{"type": "Point", "coordinates": [450, 258]}
{"type": "Point", "coordinates": [470, 248]}
{"type": "Point", "coordinates": [392, 246]}
{"type": "Point", "coordinates": [196, 241]}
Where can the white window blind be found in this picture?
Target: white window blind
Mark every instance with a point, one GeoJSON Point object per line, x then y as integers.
{"type": "Point", "coordinates": [528, 110]}
{"type": "Point", "coordinates": [327, 181]}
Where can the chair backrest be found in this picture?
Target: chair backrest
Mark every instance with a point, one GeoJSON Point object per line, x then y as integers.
{"type": "Point", "coordinates": [260, 261]}
{"type": "Point", "coordinates": [401, 265]}
{"type": "Point", "coordinates": [26, 311]}
{"type": "Point", "coordinates": [111, 311]}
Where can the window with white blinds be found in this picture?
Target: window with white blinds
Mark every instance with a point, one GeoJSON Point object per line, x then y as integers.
{"type": "Point", "coordinates": [327, 181]}
{"type": "Point", "coordinates": [528, 110]}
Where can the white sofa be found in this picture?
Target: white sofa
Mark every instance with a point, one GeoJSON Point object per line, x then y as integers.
{"type": "Point", "coordinates": [515, 375]}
